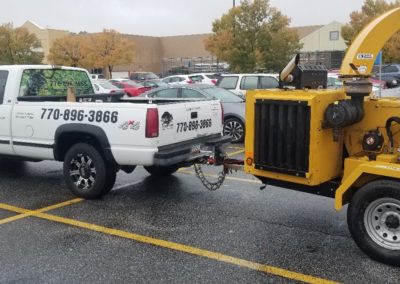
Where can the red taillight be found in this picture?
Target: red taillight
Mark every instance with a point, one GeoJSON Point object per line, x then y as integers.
{"type": "Point", "coordinates": [189, 81]}
{"type": "Point", "coordinates": [214, 81]}
{"type": "Point", "coordinates": [222, 114]}
{"type": "Point", "coordinates": [152, 123]}
{"type": "Point", "coordinates": [112, 91]}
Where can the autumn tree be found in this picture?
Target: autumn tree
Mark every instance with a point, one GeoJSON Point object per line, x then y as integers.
{"type": "Point", "coordinates": [18, 46]}
{"type": "Point", "coordinates": [71, 50]}
{"type": "Point", "coordinates": [253, 36]}
{"type": "Point", "coordinates": [359, 19]}
{"type": "Point", "coordinates": [110, 48]}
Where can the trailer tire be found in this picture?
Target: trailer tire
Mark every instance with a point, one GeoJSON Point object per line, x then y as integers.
{"type": "Point", "coordinates": [86, 173]}
{"type": "Point", "coordinates": [161, 171]}
{"type": "Point", "coordinates": [373, 218]}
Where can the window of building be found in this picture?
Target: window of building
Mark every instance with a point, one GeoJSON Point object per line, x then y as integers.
{"type": "Point", "coordinates": [334, 35]}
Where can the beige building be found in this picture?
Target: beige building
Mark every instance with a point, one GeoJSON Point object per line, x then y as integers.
{"type": "Point", "coordinates": [187, 53]}
{"type": "Point", "coordinates": [45, 35]}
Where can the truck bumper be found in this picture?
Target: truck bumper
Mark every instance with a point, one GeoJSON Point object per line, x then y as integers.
{"type": "Point", "coordinates": [188, 151]}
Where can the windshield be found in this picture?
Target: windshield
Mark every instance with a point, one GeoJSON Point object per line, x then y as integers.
{"type": "Point", "coordinates": [223, 95]}
{"type": "Point", "coordinates": [107, 85]}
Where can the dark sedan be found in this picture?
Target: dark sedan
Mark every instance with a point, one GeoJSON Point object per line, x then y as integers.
{"type": "Point", "coordinates": [234, 106]}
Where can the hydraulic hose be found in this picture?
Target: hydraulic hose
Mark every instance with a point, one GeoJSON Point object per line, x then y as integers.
{"type": "Point", "coordinates": [389, 131]}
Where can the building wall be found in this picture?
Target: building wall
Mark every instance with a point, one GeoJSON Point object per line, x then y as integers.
{"type": "Point", "coordinates": [321, 39]}
{"type": "Point", "coordinates": [160, 54]}
{"type": "Point", "coordinates": [46, 36]}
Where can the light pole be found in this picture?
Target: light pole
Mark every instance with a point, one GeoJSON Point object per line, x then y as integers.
{"type": "Point", "coordinates": [234, 3]}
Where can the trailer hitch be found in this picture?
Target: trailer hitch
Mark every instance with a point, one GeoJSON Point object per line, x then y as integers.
{"type": "Point", "coordinates": [217, 158]}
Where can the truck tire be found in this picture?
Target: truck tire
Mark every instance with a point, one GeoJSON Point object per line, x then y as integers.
{"type": "Point", "coordinates": [234, 128]}
{"type": "Point", "coordinates": [373, 218]}
{"type": "Point", "coordinates": [161, 171]}
{"type": "Point", "coordinates": [86, 173]}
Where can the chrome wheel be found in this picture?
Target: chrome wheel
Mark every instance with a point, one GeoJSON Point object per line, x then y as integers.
{"type": "Point", "coordinates": [82, 171]}
{"type": "Point", "coordinates": [235, 129]}
{"type": "Point", "coordinates": [382, 222]}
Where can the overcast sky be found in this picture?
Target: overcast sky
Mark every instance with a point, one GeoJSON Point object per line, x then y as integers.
{"type": "Point", "coordinates": [159, 17]}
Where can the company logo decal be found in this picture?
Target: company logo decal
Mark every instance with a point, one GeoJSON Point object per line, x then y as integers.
{"type": "Point", "coordinates": [130, 124]}
{"type": "Point", "coordinates": [166, 120]}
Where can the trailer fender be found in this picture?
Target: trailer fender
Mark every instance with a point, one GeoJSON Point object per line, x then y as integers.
{"type": "Point", "coordinates": [368, 170]}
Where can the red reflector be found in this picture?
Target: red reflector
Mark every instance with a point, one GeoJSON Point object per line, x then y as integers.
{"type": "Point", "coordinates": [152, 123]}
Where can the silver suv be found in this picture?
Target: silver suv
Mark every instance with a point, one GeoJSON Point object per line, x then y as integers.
{"type": "Point", "coordinates": [240, 83]}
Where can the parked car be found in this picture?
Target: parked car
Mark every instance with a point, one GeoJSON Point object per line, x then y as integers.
{"type": "Point", "coordinates": [142, 76]}
{"type": "Point", "coordinates": [97, 77]}
{"type": "Point", "coordinates": [207, 78]}
{"type": "Point", "coordinates": [240, 83]}
{"type": "Point", "coordinates": [390, 74]}
{"type": "Point", "coordinates": [233, 105]}
{"type": "Point", "coordinates": [119, 80]}
{"type": "Point", "coordinates": [335, 83]}
{"type": "Point", "coordinates": [156, 83]}
{"type": "Point", "coordinates": [131, 88]}
{"type": "Point", "coordinates": [105, 87]}
{"type": "Point", "coordinates": [181, 79]}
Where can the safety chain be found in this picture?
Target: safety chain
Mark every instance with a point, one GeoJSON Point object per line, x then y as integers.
{"type": "Point", "coordinates": [210, 185]}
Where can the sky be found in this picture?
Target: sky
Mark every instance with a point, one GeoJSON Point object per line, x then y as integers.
{"type": "Point", "coordinates": [159, 17]}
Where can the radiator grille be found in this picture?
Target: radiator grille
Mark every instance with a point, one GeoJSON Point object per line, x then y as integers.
{"type": "Point", "coordinates": [282, 136]}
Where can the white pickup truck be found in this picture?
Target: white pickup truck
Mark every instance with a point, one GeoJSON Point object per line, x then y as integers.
{"type": "Point", "coordinates": [96, 135]}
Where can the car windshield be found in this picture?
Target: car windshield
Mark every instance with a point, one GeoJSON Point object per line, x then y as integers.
{"type": "Point", "coordinates": [223, 95]}
{"type": "Point", "coordinates": [107, 85]}
{"type": "Point", "coordinates": [131, 83]}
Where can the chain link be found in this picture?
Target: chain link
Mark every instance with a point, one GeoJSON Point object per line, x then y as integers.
{"type": "Point", "coordinates": [212, 186]}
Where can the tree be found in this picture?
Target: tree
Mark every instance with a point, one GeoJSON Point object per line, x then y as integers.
{"type": "Point", "coordinates": [253, 36]}
{"type": "Point", "coordinates": [18, 46]}
{"type": "Point", "coordinates": [359, 19]}
{"type": "Point", "coordinates": [110, 48]}
{"type": "Point", "coordinates": [71, 50]}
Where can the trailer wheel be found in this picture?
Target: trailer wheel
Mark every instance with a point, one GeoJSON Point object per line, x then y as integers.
{"type": "Point", "coordinates": [86, 173]}
{"type": "Point", "coordinates": [373, 218]}
{"type": "Point", "coordinates": [161, 171]}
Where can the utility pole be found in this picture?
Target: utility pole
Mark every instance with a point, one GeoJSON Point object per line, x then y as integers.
{"type": "Point", "coordinates": [234, 4]}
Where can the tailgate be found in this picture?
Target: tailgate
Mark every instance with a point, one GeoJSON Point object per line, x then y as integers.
{"type": "Point", "coordinates": [188, 120]}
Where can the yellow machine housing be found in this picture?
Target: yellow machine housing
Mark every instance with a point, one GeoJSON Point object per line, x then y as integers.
{"type": "Point", "coordinates": [288, 145]}
{"type": "Point", "coordinates": [285, 139]}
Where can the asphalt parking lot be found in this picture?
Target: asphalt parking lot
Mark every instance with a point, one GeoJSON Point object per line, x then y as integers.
{"type": "Point", "coordinates": [172, 230]}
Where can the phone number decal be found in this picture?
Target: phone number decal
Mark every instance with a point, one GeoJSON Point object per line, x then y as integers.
{"type": "Point", "coordinates": [80, 115]}
{"type": "Point", "coordinates": [193, 125]}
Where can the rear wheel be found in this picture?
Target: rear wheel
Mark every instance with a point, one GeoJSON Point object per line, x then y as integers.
{"type": "Point", "coordinates": [373, 217]}
{"type": "Point", "coordinates": [161, 171]}
{"type": "Point", "coordinates": [234, 128]}
{"type": "Point", "coordinates": [86, 173]}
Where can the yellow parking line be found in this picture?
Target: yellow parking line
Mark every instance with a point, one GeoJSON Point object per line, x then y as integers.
{"type": "Point", "coordinates": [234, 147]}
{"type": "Point", "coordinates": [25, 214]}
{"type": "Point", "coordinates": [174, 246]}
{"type": "Point", "coordinates": [235, 153]}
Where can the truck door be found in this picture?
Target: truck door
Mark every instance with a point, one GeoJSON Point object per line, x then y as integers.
{"type": "Point", "coordinates": [5, 116]}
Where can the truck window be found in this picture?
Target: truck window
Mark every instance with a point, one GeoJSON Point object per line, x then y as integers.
{"type": "Point", "coordinates": [54, 82]}
{"type": "Point", "coordinates": [3, 81]}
